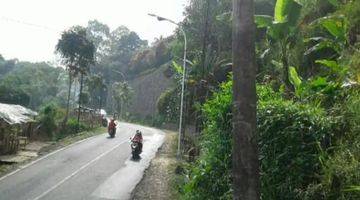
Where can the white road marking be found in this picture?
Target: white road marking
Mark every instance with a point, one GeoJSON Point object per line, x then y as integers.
{"type": "Point", "coordinates": [77, 171]}
{"type": "Point", "coordinates": [42, 158]}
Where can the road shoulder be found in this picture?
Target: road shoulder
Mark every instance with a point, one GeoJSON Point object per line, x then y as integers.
{"type": "Point", "coordinates": [157, 182]}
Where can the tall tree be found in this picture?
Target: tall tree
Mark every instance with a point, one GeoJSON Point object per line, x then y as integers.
{"type": "Point", "coordinates": [99, 34]}
{"type": "Point", "coordinates": [77, 53]}
{"type": "Point", "coordinates": [246, 185]}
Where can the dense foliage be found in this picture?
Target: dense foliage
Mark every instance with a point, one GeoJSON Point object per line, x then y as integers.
{"type": "Point", "coordinates": [292, 139]}
{"type": "Point", "coordinates": [31, 84]}
{"type": "Point", "coordinates": [210, 176]}
{"type": "Point", "coordinates": [297, 142]}
{"type": "Point", "coordinates": [308, 102]}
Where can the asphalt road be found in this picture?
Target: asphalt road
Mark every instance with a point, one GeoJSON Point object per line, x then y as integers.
{"type": "Point", "coordinates": [96, 168]}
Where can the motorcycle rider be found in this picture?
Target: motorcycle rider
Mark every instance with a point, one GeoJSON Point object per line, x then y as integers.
{"type": "Point", "coordinates": [112, 125]}
{"type": "Point", "coordinates": [139, 139]}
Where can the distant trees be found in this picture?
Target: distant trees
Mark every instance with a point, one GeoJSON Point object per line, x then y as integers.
{"type": "Point", "coordinates": [97, 88]}
{"type": "Point", "coordinates": [30, 84]}
{"type": "Point", "coordinates": [12, 95]}
{"type": "Point", "coordinates": [6, 66]}
{"type": "Point", "coordinates": [115, 51]}
{"type": "Point", "coordinates": [77, 53]}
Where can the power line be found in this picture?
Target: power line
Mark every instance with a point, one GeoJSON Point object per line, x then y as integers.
{"type": "Point", "coordinates": [29, 24]}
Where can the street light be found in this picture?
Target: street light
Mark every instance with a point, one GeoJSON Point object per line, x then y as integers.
{"type": "Point", "coordinates": [183, 78]}
{"type": "Point", "coordinates": [119, 72]}
{"type": "Point", "coordinates": [124, 81]}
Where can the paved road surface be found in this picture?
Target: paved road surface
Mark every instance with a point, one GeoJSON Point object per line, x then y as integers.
{"type": "Point", "coordinates": [93, 169]}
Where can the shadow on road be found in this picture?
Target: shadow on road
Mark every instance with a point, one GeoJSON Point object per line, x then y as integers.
{"type": "Point", "coordinates": [136, 160]}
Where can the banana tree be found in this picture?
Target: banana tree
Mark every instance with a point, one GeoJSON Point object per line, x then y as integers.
{"type": "Point", "coordinates": [335, 36]}
{"type": "Point", "coordinates": [282, 29]}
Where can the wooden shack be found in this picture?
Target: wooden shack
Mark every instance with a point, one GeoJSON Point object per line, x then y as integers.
{"type": "Point", "coordinates": [16, 124]}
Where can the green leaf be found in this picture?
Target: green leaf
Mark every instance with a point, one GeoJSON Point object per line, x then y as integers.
{"type": "Point", "coordinates": [354, 188]}
{"type": "Point", "coordinates": [178, 68]}
{"type": "Point", "coordinates": [263, 21]}
{"type": "Point", "coordinates": [281, 9]}
{"type": "Point", "coordinates": [328, 63]}
{"type": "Point", "coordinates": [333, 28]}
{"type": "Point", "coordinates": [278, 31]}
{"type": "Point", "coordinates": [319, 82]}
{"type": "Point", "coordinates": [333, 65]}
{"type": "Point", "coordinates": [334, 2]}
{"type": "Point", "coordinates": [287, 11]}
{"type": "Point", "coordinates": [335, 25]}
{"type": "Point", "coordinates": [323, 45]}
{"type": "Point", "coordinates": [294, 77]}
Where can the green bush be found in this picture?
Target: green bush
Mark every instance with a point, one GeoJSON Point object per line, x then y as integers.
{"type": "Point", "coordinates": [294, 141]}
{"type": "Point", "coordinates": [340, 179]}
{"type": "Point", "coordinates": [209, 177]}
{"type": "Point", "coordinates": [341, 175]}
{"type": "Point", "coordinates": [292, 137]}
{"type": "Point", "coordinates": [168, 105]}
{"type": "Point", "coordinates": [48, 118]}
{"type": "Point", "coordinates": [72, 127]}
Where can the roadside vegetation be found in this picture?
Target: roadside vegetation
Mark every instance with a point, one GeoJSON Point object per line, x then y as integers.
{"type": "Point", "coordinates": [308, 99]}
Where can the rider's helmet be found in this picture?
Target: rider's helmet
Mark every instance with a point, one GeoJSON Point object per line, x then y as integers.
{"type": "Point", "coordinates": [138, 132]}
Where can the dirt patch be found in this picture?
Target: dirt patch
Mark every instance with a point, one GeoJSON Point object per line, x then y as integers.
{"type": "Point", "coordinates": [157, 182]}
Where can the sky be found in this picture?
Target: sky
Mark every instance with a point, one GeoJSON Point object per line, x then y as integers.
{"type": "Point", "coordinates": [30, 29]}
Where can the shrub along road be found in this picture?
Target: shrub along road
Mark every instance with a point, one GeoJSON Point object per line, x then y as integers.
{"type": "Point", "coordinates": [95, 168]}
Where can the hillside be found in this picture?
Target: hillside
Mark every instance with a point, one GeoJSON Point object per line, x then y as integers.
{"type": "Point", "coordinates": [147, 89]}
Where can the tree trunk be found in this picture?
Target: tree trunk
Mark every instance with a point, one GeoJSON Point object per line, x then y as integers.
{"type": "Point", "coordinates": [68, 100]}
{"type": "Point", "coordinates": [284, 60]}
{"type": "Point", "coordinates": [205, 38]}
{"type": "Point", "coordinates": [246, 185]}
{"type": "Point", "coordinates": [80, 95]}
{"type": "Point", "coordinates": [100, 102]}
{"type": "Point", "coordinates": [121, 109]}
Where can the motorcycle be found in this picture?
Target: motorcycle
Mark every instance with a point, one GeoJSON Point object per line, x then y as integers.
{"type": "Point", "coordinates": [112, 132]}
{"type": "Point", "coordinates": [104, 122]}
{"type": "Point", "coordinates": [135, 150]}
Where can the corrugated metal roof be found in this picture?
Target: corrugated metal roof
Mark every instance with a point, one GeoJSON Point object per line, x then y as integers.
{"type": "Point", "coordinates": [16, 114]}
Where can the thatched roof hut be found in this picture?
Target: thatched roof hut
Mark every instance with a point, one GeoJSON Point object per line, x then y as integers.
{"type": "Point", "coordinates": [15, 126]}
{"type": "Point", "coordinates": [15, 114]}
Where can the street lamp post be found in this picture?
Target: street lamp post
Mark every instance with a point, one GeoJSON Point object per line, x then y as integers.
{"type": "Point", "coordinates": [183, 79]}
{"type": "Point", "coordinates": [121, 103]}
{"type": "Point", "coordinates": [119, 72]}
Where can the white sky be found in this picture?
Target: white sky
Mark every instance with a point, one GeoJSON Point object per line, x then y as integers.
{"type": "Point", "coordinates": [33, 43]}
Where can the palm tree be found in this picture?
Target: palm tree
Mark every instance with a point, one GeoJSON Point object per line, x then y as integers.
{"type": "Point", "coordinates": [245, 151]}
{"type": "Point", "coordinates": [122, 94]}
{"type": "Point", "coordinates": [77, 53]}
